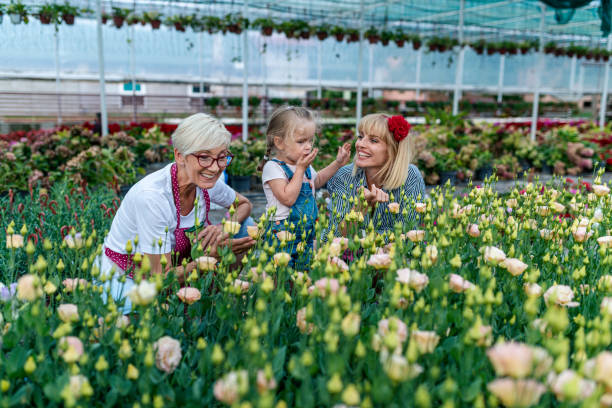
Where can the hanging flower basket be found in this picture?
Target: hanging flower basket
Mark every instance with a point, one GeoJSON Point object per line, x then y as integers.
{"type": "Point", "coordinates": [155, 24]}
{"type": "Point", "coordinates": [416, 44]}
{"type": "Point", "coordinates": [179, 26]}
{"type": "Point", "coordinates": [491, 50]}
{"type": "Point", "coordinates": [267, 31]}
{"type": "Point", "coordinates": [305, 35]}
{"type": "Point", "coordinates": [589, 55]}
{"type": "Point", "coordinates": [15, 18]}
{"type": "Point", "coordinates": [373, 39]}
{"type": "Point", "coordinates": [45, 18]}
{"type": "Point", "coordinates": [104, 18]}
{"type": "Point", "coordinates": [322, 35]}
{"type": "Point", "coordinates": [68, 18]}
{"type": "Point", "coordinates": [384, 41]}
{"type": "Point", "coordinates": [118, 21]}
{"type": "Point", "coordinates": [339, 37]}
{"type": "Point", "coordinates": [524, 50]}
{"type": "Point", "coordinates": [400, 42]}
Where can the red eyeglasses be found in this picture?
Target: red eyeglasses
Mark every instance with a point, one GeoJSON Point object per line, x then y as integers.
{"type": "Point", "coordinates": [206, 161]}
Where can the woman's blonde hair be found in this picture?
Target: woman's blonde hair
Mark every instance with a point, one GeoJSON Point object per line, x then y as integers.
{"type": "Point", "coordinates": [395, 170]}
{"type": "Point", "coordinates": [200, 132]}
{"type": "Point", "coordinates": [282, 123]}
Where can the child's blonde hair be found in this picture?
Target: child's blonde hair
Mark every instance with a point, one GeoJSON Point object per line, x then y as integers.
{"type": "Point", "coordinates": [395, 170]}
{"type": "Point", "coordinates": [282, 123]}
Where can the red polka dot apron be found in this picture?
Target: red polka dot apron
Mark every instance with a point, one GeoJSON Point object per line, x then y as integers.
{"type": "Point", "coordinates": [182, 246]}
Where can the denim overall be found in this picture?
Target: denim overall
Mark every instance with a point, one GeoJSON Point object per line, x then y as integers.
{"type": "Point", "coordinates": [302, 217]}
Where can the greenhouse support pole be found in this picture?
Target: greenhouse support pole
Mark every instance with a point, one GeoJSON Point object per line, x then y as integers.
{"type": "Point", "coordinates": [500, 80]}
{"type": "Point", "coordinates": [359, 69]}
{"type": "Point", "coordinates": [245, 77]}
{"type": "Point", "coordinates": [201, 66]}
{"type": "Point", "coordinates": [538, 76]}
{"type": "Point", "coordinates": [580, 81]}
{"type": "Point", "coordinates": [573, 75]}
{"type": "Point", "coordinates": [459, 70]}
{"type": "Point", "coordinates": [418, 72]}
{"type": "Point", "coordinates": [103, 112]}
{"type": "Point", "coordinates": [319, 70]}
{"type": "Point", "coordinates": [603, 105]}
{"type": "Point", "coordinates": [370, 70]}
{"type": "Point", "coordinates": [132, 74]}
{"type": "Point", "coordinates": [57, 77]}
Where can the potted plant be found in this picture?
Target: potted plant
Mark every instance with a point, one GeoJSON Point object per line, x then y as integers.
{"type": "Point", "coordinates": [132, 18]}
{"type": "Point", "coordinates": [524, 47]}
{"type": "Point", "coordinates": [212, 24]}
{"type": "Point", "coordinates": [322, 31]}
{"type": "Point", "coordinates": [235, 102]}
{"type": "Point", "coordinates": [105, 17]}
{"type": "Point", "coordinates": [511, 47]}
{"type": "Point", "coordinates": [277, 101]}
{"type": "Point", "coordinates": [416, 42]}
{"type": "Point", "coordinates": [68, 13]}
{"type": "Point", "coordinates": [492, 48]}
{"type": "Point", "coordinates": [400, 38]}
{"type": "Point", "coordinates": [254, 102]}
{"type": "Point", "coordinates": [119, 16]}
{"type": "Point", "coordinates": [550, 47]}
{"type": "Point", "coordinates": [153, 18]}
{"type": "Point", "coordinates": [485, 165]}
{"type": "Point", "coordinates": [47, 13]}
{"type": "Point", "coordinates": [266, 25]}
{"type": "Point", "coordinates": [241, 168]}
{"type": "Point", "coordinates": [17, 12]}
{"type": "Point", "coordinates": [196, 24]}
{"type": "Point", "coordinates": [235, 23]}
{"type": "Point", "coordinates": [212, 103]}
{"type": "Point", "coordinates": [446, 165]}
{"type": "Point", "coordinates": [302, 29]}
{"type": "Point", "coordinates": [295, 102]}
{"type": "Point", "coordinates": [372, 35]}
{"type": "Point", "coordinates": [385, 37]}
{"type": "Point", "coordinates": [479, 46]}
{"type": "Point", "coordinates": [338, 32]}
{"type": "Point", "coordinates": [353, 35]}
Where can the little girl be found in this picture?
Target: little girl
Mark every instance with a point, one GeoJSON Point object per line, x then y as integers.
{"type": "Point", "coordinates": [289, 181]}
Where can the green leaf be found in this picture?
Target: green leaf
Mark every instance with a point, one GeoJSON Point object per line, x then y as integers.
{"type": "Point", "coordinates": [279, 361]}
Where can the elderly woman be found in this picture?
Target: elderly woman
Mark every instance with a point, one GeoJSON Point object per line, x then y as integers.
{"type": "Point", "coordinates": [382, 170]}
{"type": "Point", "coordinates": [159, 208]}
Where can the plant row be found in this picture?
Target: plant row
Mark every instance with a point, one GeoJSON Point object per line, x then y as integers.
{"type": "Point", "coordinates": [298, 29]}
{"type": "Point", "coordinates": [445, 145]}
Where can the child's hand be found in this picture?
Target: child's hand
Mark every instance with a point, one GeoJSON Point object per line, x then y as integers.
{"type": "Point", "coordinates": [305, 161]}
{"type": "Point", "coordinates": [344, 154]}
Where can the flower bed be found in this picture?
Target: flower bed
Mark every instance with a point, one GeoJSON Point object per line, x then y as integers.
{"type": "Point", "coordinates": [454, 145]}
{"type": "Point", "coordinates": [483, 296]}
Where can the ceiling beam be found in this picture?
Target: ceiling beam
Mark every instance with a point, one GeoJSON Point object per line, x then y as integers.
{"type": "Point", "coordinates": [467, 10]}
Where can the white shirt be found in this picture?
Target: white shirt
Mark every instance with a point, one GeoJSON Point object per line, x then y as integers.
{"type": "Point", "coordinates": [272, 170]}
{"type": "Point", "coordinates": [148, 209]}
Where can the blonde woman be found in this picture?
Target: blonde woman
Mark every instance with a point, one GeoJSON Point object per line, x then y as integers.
{"type": "Point", "coordinates": [381, 169]}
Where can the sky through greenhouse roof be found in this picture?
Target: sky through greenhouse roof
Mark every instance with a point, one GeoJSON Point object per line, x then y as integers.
{"type": "Point", "coordinates": [487, 19]}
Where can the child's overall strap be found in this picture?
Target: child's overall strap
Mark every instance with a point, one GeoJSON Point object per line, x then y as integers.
{"type": "Point", "coordinates": [288, 171]}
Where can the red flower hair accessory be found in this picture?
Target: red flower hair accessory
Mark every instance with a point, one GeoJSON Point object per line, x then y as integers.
{"type": "Point", "coordinates": [399, 127]}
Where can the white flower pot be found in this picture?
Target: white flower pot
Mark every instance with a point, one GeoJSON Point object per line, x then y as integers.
{"type": "Point", "coordinates": [15, 18]}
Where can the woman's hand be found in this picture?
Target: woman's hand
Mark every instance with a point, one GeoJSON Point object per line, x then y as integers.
{"type": "Point", "coordinates": [375, 195]}
{"type": "Point", "coordinates": [209, 235]}
{"type": "Point", "coordinates": [238, 245]}
{"type": "Point", "coordinates": [344, 154]}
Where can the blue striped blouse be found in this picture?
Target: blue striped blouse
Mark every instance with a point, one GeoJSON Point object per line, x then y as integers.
{"type": "Point", "coordinates": [343, 185]}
